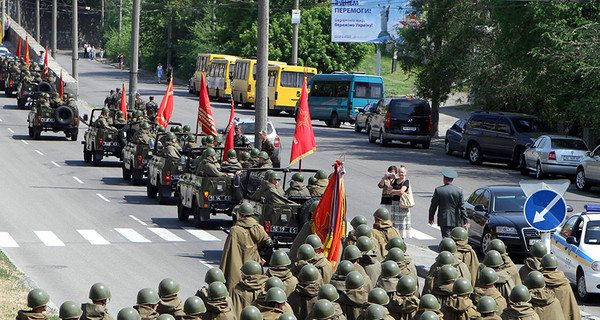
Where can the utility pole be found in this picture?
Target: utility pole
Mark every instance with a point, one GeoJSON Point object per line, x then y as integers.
{"type": "Point", "coordinates": [54, 17]}
{"type": "Point", "coordinates": [37, 21]}
{"type": "Point", "coordinates": [214, 15]}
{"type": "Point", "coordinates": [3, 18]}
{"type": "Point", "coordinates": [135, 44]}
{"type": "Point", "coordinates": [262, 62]}
{"type": "Point", "coordinates": [170, 33]}
{"type": "Point", "coordinates": [295, 26]}
{"type": "Point", "coordinates": [120, 19]}
{"type": "Point", "coordinates": [75, 35]}
{"type": "Point", "coordinates": [101, 23]}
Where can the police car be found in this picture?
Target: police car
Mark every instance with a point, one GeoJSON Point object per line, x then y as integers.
{"type": "Point", "coordinates": [576, 243]}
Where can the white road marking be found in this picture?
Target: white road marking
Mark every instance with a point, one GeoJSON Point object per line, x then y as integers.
{"type": "Point", "coordinates": [49, 238]}
{"type": "Point", "coordinates": [6, 241]}
{"type": "Point", "coordinates": [0, 120]}
{"type": "Point", "coordinates": [166, 234]}
{"type": "Point", "coordinates": [11, 130]}
{"type": "Point", "coordinates": [435, 226]}
{"type": "Point", "coordinates": [102, 197]}
{"type": "Point", "coordinates": [25, 142]}
{"type": "Point", "coordinates": [206, 264]}
{"type": "Point", "coordinates": [132, 235]}
{"type": "Point", "coordinates": [77, 179]}
{"type": "Point", "coordinates": [414, 233]}
{"type": "Point", "coordinates": [138, 220]}
{"type": "Point", "coordinates": [201, 234]}
{"type": "Point", "coordinates": [93, 237]}
{"type": "Point", "coordinates": [39, 152]}
{"type": "Point", "coordinates": [56, 164]}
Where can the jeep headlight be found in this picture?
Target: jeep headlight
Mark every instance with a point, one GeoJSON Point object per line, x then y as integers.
{"type": "Point", "coordinates": [506, 230]}
{"type": "Point", "coordinates": [596, 265]}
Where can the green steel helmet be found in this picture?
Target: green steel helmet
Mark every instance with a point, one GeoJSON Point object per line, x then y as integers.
{"type": "Point", "coordinates": [276, 295]}
{"type": "Point", "coordinates": [329, 292]}
{"type": "Point", "coordinates": [487, 276]}
{"type": "Point", "coordinates": [218, 139]}
{"type": "Point", "coordinates": [264, 155]}
{"type": "Point", "coordinates": [305, 252]}
{"type": "Point", "coordinates": [459, 233]}
{"type": "Point", "coordinates": [274, 176]}
{"type": "Point", "coordinates": [538, 250]}
{"type": "Point", "coordinates": [274, 282]}
{"type": "Point", "coordinates": [308, 273]}
{"type": "Point", "coordinates": [70, 95]}
{"type": "Point", "coordinates": [210, 140]}
{"type": "Point", "coordinates": [382, 214]}
{"type": "Point", "coordinates": [462, 286]}
{"type": "Point", "coordinates": [144, 125]}
{"type": "Point", "coordinates": [214, 274]}
{"type": "Point", "coordinates": [298, 177]}
{"type": "Point", "coordinates": [45, 95]}
{"type": "Point", "coordinates": [429, 302]}
{"type": "Point", "coordinates": [210, 152]}
{"type": "Point", "coordinates": [186, 128]}
{"type": "Point", "coordinates": [203, 141]}
{"type": "Point", "coordinates": [268, 174]}
{"type": "Point", "coordinates": [351, 252]}
{"type": "Point", "coordinates": [396, 255]}
{"type": "Point", "coordinates": [313, 206]}
{"type": "Point", "coordinates": [429, 315]}
{"type": "Point", "coordinates": [55, 94]}
{"type": "Point", "coordinates": [37, 298]}
{"type": "Point", "coordinates": [445, 258]}
{"type": "Point", "coordinates": [254, 152]}
{"type": "Point", "coordinates": [364, 244]}
{"type": "Point", "coordinates": [99, 291]}
{"type": "Point", "coordinates": [147, 296]}
{"type": "Point", "coordinates": [487, 304]}
{"type": "Point", "coordinates": [363, 230]}
{"type": "Point", "coordinates": [69, 310]}
{"type": "Point", "coordinates": [315, 241]}
{"type": "Point", "coordinates": [193, 306]}
{"type": "Point", "coordinates": [447, 244]}
{"type": "Point", "coordinates": [161, 129]}
{"type": "Point", "coordinates": [354, 280]}
{"type": "Point", "coordinates": [105, 110]}
{"type": "Point", "coordinates": [191, 137]}
{"type": "Point", "coordinates": [498, 245]}
{"type": "Point", "coordinates": [165, 316]}
{"type": "Point", "coordinates": [119, 114]}
{"type": "Point", "coordinates": [447, 273]}
{"type": "Point", "coordinates": [534, 280]}
{"type": "Point", "coordinates": [251, 313]}
{"type": "Point", "coordinates": [344, 267]}
{"type": "Point", "coordinates": [357, 221]}
{"type": "Point", "coordinates": [251, 267]}
{"type": "Point", "coordinates": [323, 309]}
{"type": "Point", "coordinates": [170, 136]}
{"type": "Point", "coordinates": [245, 155]}
{"type": "Point", "coordinates": [396, 242]}
{"type": "Point", "coordinates": [168, 287]}
{"type": "Point", "coordinates": [287, 316]}
{"type": "Point", "coordinates": [520, 293]}
{"type": "Point", "coordinates": [177, 129]}
{"type": "Point", "coordinates": [389, 269]}
{"type": "Point", "coordinates": [378, 296]}
{"type": "Point", "coordinates": [375, 312]}
{"type": "Point", "coordinates": [231, 153]}
{"type": "Point", "coordinates": [128, 314]}
{"type": "Point", "coordinates": [280, 258]}
{"type": "Point", "coordinates": [312, 180]}
{"type": "Point", "coordinates": [493, 259]}
{"type": "Point", "coordinates": [217, 290]}
{"type": "Point", "coordinates": [138, 113]}
{"type": "Point", "coordinates": [406, 285]}
{"type": "Point", "coordinates": [245, 209]}
{"type": "Point", "coordinates": [549, 261]}
{"type": "Point", "coordinates": [321, 174]}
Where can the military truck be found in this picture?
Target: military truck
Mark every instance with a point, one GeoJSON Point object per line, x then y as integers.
{"type": "Point", "coordinates": [46, 118]}
{"type": "Point", "coordinates": [29, 92]}
{"type": "Point", "coordinates": [163, 174]}
{"type": "Point", "coordinates": [100, 142]}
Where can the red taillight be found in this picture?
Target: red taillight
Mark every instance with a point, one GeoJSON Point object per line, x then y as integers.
{"type": "Point", "coordinates": [387, 120]}
{"type": "Point", "coordinates": [409, 99]}
{"type": "Point", "coordinates": [76, 121]}
{"type": "Point", "coordinates": [430, 123]}
{"type": "Point", "coordinates": [100, 146]}
{"type": "Point", "coordinates": [39, 119]}
{"type": "Point", "coordinates": [249, 88]}
{"type": "Point", "coordinates": [168, 176]}
{"type": "Point", "coordinates": [139, 161]}
{"type": "Point", "coordinates": [268, 226]}
{"type": "Point", "coordinates": [205, 196]}
{"type": "Point", "coordinates": [23, 93]}
{"type": "Point", "coordinates": [277, 142]}
{"type": "Point", "coordinates": [552, 155]}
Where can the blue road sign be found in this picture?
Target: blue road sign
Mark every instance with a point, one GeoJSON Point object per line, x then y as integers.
{"type": "Point", "coordinates": [545, 210]}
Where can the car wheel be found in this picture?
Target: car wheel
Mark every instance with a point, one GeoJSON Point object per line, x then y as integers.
{"type": "Point", "coordinates": [97, 158]}
{"type": "Point", "coordinates": [580, 181]}
{"type": "Point", "coordinates": [201, 216]}
{"type": "Point", "coordinates": [539, 173]}
{"type": "Point", "coordinates": [126, 173]}
{"type": "Point", "coordinates": [523, 166]}
{"type": "Point", "coordinates": [87, 155]}
{"type": "Point", "coordinates": [335, 120]}
{"type": "Point", "coordinates": [475, 154]}
{"type": "Point", "coordinates": [372, 139]}
{"type": "Point", "coordinates": [357, 128]}
{"type": "Point", "coordinates": [485, 240]}
{"type": "Point", "coordinates": [368, 129]}
{"type": "Point", "coordinates": [582, 292]}
{"type": "Point", "coordinates": [381, 139]}
{"type": "Point", "coordinates": [183, 213]}
{"type": "Point", "coordinates": [150, 189]}
{"type": "Point", "coordinates": [164, 193]}
{"type": "Point", "coordinates": [74, 134]}
{"type": "Point", "coordinates": [447, 148]}
{"type": "Point", "coordinates": [37, 133]}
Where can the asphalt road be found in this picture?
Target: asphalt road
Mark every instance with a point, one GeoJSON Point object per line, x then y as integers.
{"type": "Point", "coordinates": [68, 225]}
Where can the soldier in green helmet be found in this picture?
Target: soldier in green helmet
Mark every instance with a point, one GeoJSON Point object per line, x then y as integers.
{"type": "Point", "coordinates": [444, 282]}
{"type": "Point", "coordinates": [69, 310]}
{"type": "Point", "coordinates": [99, 294]}
{"type": "Point", "coordinates": [320, 261]}
{"type": "Point", "coordinates": [447, 244]}
{"type": "Point", "coordinates": [485, 286]}
{"type": "Point", "coordinates": [167, 317]}
{"type": "Point", "coordinates": [508, 265]}
{"type": "Point", "coordinates": [275, 304]}
{"type": "Point", "coordinates": [355, 222]}
{"type": "Point", "coordinates": [327, 292]}
{"type": "Point", "coordinates": [323, 309]}
{"type": "Point", "coordinates": [120, 118]}
{"type": "Point", "coordinates": [56, 100]}
{"type": "Point", "coordinates": [194, 308]}
{"type": "Point", "coordinates": [383, 229]}
{"type": "Point", "coordinates": [533, 263]}
{"type": "Point", "coordinates": [307, 290]}
{"type": "Point", "coordinates": [488, 309]}
{"type": "Point", "coordinates": [504, 284]}
{"type": "Point", "coordinates": [254, 157]}
{"type": "Point", "coordinates": [143, 135]}
{"type": "Point", "coordinates": [390, 274]}
{"type": "Point", "coordinates": [559, 283]}
{"type": "Point", "coordinates": [218, 142]}
{"type": "Point", "coordinates": [460, 306]}
{"type": "Point", "coordinates": [352, 253]}
{"type": "Point", "coordinates": [147, 301]}
{"type": "Point", "coordinates": [318, 188]}
{"type": "Point", "coordinates": [274, 194]}
{"type": "Point", "coordinates": [365, 230]}
{"type": "Point", "coordinates": [208, 141]}
{"type": "Point", "coordinates": [264, 161]}
{"type": "Point", "coordinates": [444, 258]}
{"type": "Point", "coordinates": [249, 287]}
{"type": "Point", "coordinates": [303, 255]}
{"type": "Point", "coordinates": [460, 236]}
{"type": "Point", "coordinates": [305, 231]}
{"type": "Point", "coordinates": [104, 121]}
{"type": "Point", "coordinates": [378, 297]}
{"type": "Point", "coordinates": [212, 275]}
{"type": "Point", "coordinates": [428, 303]}
{"type": "Point", "coordinates": [245, 160]}
{"type": "Point", "coordinates": [209, 166]}
{"type": "Point", "coordinates": [339, 276]}
{"type": "Point", "coordinates": [250, 313]}
{"type": "Point", "coordinates": [37, 300]}
{"type": "Point", "coordinates": [297, 187]}
{"type": "Point", "coordinates": [519, 306]}
{"type": "Point", "coordinates": [190, 143]}
{"type": "Point", "coordinates": [128, 314]}
{"type": "Point", "coordinates": [397, 242]}
{"type": "Point", "coordinates": [279, 267]}
{"type": "Point", "coordinates": [404, 302]}
{"type": "Point", "coordinates": [170, 303]}
{"type": "Point", "coordinates": [369, 259]}
{"type": "Point", "coordinates": [172, 150]}
{"type": "Point", "coordinates": [219, 305]}
{"type": "Point", "coordinates": [271, 282]}
{"type": "Point", "coordinates": [543, 299]}
{"type": "Point", "coordinates": [231, 164]}
{"type": "Point", "coordinates": [355, 295]}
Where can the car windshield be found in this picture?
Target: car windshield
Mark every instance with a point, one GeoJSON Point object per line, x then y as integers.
{"type": "Point", "coordinates": [570, 144]}
{"type": "Point", "coordinates": [248, 128]}
{"type": "Point", "coordinates": [529, 125]}
{"type": "Point", "coordinates": [509, 201]}
{"type": "Point", "coordinates": [592, 234]}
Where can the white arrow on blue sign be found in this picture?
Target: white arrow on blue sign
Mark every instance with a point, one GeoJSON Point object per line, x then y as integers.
{"type": "Point", "coordinates": [545, 210]}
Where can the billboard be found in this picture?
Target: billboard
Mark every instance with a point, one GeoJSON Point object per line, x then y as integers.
{"type": "Point", "coordinates": [370, 20]}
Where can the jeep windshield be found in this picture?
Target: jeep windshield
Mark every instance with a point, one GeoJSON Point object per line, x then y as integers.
{"type": "Point", "coordinates": [411, 108]}
{"type": "Point", "coordinates": [512, 201]}
{"type": "Point", "coordinates": [529, 125]}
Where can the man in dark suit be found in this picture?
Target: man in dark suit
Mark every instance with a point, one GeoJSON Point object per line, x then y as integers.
{"type": "Point", "coordinates": [448, 201]}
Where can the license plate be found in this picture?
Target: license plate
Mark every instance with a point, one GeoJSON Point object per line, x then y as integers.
{"type": "Point", "coordinates": [409, 128]}
{"type": "Point", "coordinates": [110, 144]}
{"type": "Point", "coordinates": [219, 198]}
{"type": "Point", "coordinates": [282, 229]}
{"type": "Point", "coordinates": [571, 158]}
{"type": "Point", "coordinates": [47, 120]}
{"type": "Point", "coordinates": [533, 241]}
{"type": "Point", "coordinates": [174, 177]}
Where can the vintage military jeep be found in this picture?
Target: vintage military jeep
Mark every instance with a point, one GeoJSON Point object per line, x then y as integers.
{"type": "Point", "coordinates": [163, 173]}
{"type": "Point", "coordinates": [135, 158]}
{"type": "Point", "coordinates": [63, 118]}
{"type": "Point", "coordinates": [100, 142]}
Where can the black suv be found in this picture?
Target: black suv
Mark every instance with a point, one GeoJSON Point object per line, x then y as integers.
{"type": "Point", "coordinates": [403, 119]}
{"type": "Point", "coordinates": [500, 136]}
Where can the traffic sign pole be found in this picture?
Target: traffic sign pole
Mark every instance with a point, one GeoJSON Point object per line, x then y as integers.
{"type": "Point", "coordinates": [546, 240]}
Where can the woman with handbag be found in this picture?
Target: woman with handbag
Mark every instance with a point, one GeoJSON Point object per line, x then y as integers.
{"type": "Point", "coordinates": [387, 183]}
{"type": "Point", "coordinates": [402, 201]}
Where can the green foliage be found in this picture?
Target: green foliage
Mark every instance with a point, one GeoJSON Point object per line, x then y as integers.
{"type": "Point", "coordinates": [113, 46]}
{"type": "Point", "coordinates": [399, 83]}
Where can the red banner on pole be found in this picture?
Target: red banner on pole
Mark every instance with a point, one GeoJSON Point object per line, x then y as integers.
{"type": "Point", "coordinates": [230, 132]}
{"type": "Point", "coordinates": [124, 102]}
{"type": "Point", "coordinates": [304, 137]}
{"type": "Point", "coordinates": [27, 51]}
{"type": "Point", "coordinates": [61, 87]}
{"type": "Point", "coordinates": [19, 49]}
{"type": "Point", "coordinates": [205, 117]}
{"type": "Point", "coordinates": [166, 106]}
{"type": "Point", "coordinates": [45, 72]}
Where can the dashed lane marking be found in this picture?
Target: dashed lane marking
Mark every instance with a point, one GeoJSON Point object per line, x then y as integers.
{"type": "Point", "coordinates": [414, 233]}
{"type": "Point", "coordinates": [102, 197]}
{"type": "Point", "coordinates": [138, 220]}
{"type": "Point", "coordinates": [49, 238]}
{"type": "Point", "coordinates": [55, 164]}
{"type": "Point", "coordinates": [11, 130]}
{"type": "Point", "coordinates": [25, 142]}
{"type": "Point", "coordinates": [6, 241]}
{"type": "Point", "coordinates": [93, 237]}
{"type": "Point", "coordinates": [77, 179]}
{"type": "Point", "coordinates": [206, 264]}
{"type": "Point", "coordinates": [166, 234]}
{"type": "Point", "coordinates": [201, 234]}
{"type": "Point", "coordinates": [39, 152]}
{"type": "Point", "coordinates": [132, 235]}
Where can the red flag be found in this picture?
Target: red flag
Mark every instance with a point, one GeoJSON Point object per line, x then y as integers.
{"type": "Point", "coordinates": [45, 73]}
{"type": "Point", "coordinates": [61, 88]}
{"type": "Point", "coordinates": [27, 50]}
{"type": "Point", "coordinates": [230, 132]}
{"type": "Point", "coordinates": [124, 102]}
{"type": "Point", "coordinates": [19, 49]}
{"type": "Point", "coordinates": [205, 117]}
{"type": "Point", "coordinates": [166, 106]}
{"type": "Point", "coordinates": [329, 218]}
{"type": "Point", "coordinates": [304, 137]}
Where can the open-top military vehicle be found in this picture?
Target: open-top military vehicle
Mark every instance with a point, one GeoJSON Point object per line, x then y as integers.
{"type": "Point", "coordinates": [163, 173]}
{"type": "Point", "coordinates": [47, 118]}
{"type": "Point", "coordinates": [29, 92]}
{"type": "Point", "coordinates": [136, 155]}
{"type": "Point", "coordinates": [102, 142]}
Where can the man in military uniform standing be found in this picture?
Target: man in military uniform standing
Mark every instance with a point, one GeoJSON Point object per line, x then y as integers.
{"type": "Point", "coordinates": [449, 199]}
{"type": "Point", "coordinates": [172, 150]}
{"type": "Point", "coordinates": [151, 108]}
{"type": "Point", "coordinates": [107, 100]}
{"type": "Point", "coordinates": [297, 187]}
{"type": "Point", "coordinates": [209, 166]}
{"type": "Point", "coordinates": [266, 145]}
{"type": "Point", "coordinates": [240, 140]}
{"type": "Point", "coordinates": [37, 300]}
{"type": "Point", "coordinates": [140, 104]}
{"type": "Point", "coordinates": [99, 294]}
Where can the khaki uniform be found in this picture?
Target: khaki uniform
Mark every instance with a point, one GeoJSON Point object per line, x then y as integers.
{"type": "Point", "coordinates": [266, 164]}
{"type": "Point", "coordinates": [286, 276]}
{"type": "Point", "coordinates": [383, 231]}
{"type": "Point", "coordinates": [187, 146]}
{"type": "Point", "coordinates": [338, 315]}
{"type": "Point", "coordinates": [408, 268]}
{"type": "Point", "coordinates": [318, 188]}
{"type": "Point", "coordinates": [520, 311]}
{"type": "Point", "coordinates": [324, 266]}
{"type": "Point", "coordinates": [339, 282]}
{"type": "Point", "coordinates": [512, 268]}
{"type": "Point", "coordinates": [545, 304]}
{"type": "Point", "coordinates": [431, 279]}
{"type": "Point", "coordinates": [557, 282]}
{"type": "Point", "coordinates": [297, 189]}
{"type": "Point", "coordinates": [253, 161]}
{"type": "Point", "coordinates": [459, 308]}
{"type": "Point", "coordinates": [231, 165]}
{"type": "Point", "coordinates": [209, 168]}
{"type": "Point", "coordinates": [403, 307]}
{"type": "Point", "coordinates": [171, 151]}
{"type": "Point", "coordinates": [274, 195]}
{"type": "Point", "coordinates": [368, 283]}
{"type": "Point", "coordinates": [146, 313]}
{"type": "Point", "coordinates": [492, 292]}
{"type": "Point", "coordinates": [120, 120]}
{"type": "Point", "coordinates": [352, 301]}
{"type": "Point", "coordinates": [170, 305]}
{"type": "Point", "coordinates": [220, 309]}
{"type": "Point", "coordinates": [363, 312]}
{"type": "Point", "coordinates": [94, 312]}
{"type": "Point", "coordinates": [442, 292]}
{"type": "Point", "coordinates": [530, 264]}
{"type": "Point", "coordinates": [30, 315]}
{"type": "Point", "coordinates": [242, 244]}
{"type": "Point", "coordinates": [303, 298]}
{"type": "Point", "coordinates": [469, 257]}
{"type": "Point", "coordinates": [371, 264]}
{"type": "Point", "coordinates": [387, 284]}
{"type": "Point", "coordinates": [246, 291]}
{"type": "Point", "coordinates": [271, 313]}
{"type": "Point", "coordinates": [419, 312]}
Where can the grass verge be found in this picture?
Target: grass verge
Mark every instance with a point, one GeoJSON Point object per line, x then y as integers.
{"type": "Point", "coordinates": [396, 84]}
{"type": "Point", "coordinates": [13, 289]}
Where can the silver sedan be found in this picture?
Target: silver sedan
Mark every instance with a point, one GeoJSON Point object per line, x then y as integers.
{"type": "Point", "coordinates": [553, 154]}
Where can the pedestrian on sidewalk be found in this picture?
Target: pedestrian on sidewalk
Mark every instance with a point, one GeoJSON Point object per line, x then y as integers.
{"type": "Point", "coordinates": [92, 53]}
{"type": "Point", "coordinates": [386, 184]}
{"type": "Point", "coordinates": [400, 212]}
{"type": "Point", "coordinates": [86, 47]}
{"type": "Point", "coordinates": [159, 72]}
{"type": "Point", "coordinates": [169, 72]}
{"type": "Point", "coordinates": [448, 201]}
{"type": "Point", "coordinates": [121, 58]}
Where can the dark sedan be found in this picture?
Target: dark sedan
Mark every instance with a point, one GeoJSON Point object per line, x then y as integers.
{"type": "Point", "coordinates": [364, 115]}
{"type": "Point", "coordinates": [453, 136]}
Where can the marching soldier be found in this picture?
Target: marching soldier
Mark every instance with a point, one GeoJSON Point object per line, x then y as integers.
{"type": "Point", "coordinates": [397, 255]}
{"type": "Point", "coordinates": [218, 304]}
{"type": "Point", "coordinates": [558, 282]}
{"type": "Point", "coordinates": [404, 303]}
{"type": "Point", "coordinates": [397, 242]}
{"type": "Point", "coordinates": [468, 255]}
{"type": "Point", "coordinates": [147, 301]}
{"type": "Point", "coordinates": [355, 223]}
{"type": "Point", "coordinates": [325, 267]}
{"type": "Point", "coordinates": [505, 283]}
{"type": "Point", "coordinates": [271, 282]}
{"type": "Point", "coordinates": [99, 294]}
{"type": "Point", "coordinates": [353, 254]}
{"type": "Point", "coordinates": [69, 310]}
{"type": "Point", "coordinates": [279, 267]}
{"type": "Point", "coordinates": [275, 304]}
{"type": "Point", "coordinates": [383, 229]}
{"type": "Point", "coordinates": [390, 274]}
{"type": "Point", "coordinates": [486, 287]}
{"type": "Point", "coordinates": [543, 299]}
{"type": "Point", "coordinates": [212, 275]}
{"type": "Point", "coordinates": [369, 260]}
{"type": "Point", "coordinates": [37, 300]}
{"type": "Point", "coordinates": [447, 244]}
{"type": "Point", "coordinates": [365, 230]}
{"type": "Point", "coordinates": [306, 292]}
{"type": "Point", "coordinates": [355, 295]}
{"type": "Point", "coordinates": [460, 306]}
{"type": "Point", "coordinates": [428, 303]}
{"type": "Point", "coordinates": [519, 306]}
{"type": "Point", "coordinates": [329, 293]}
{"type": "Point", "coordinates": [508, 264]}
{"type": "Point", "coordinates": [339, 276]}
{"type": "Point", "coordinates": [377, 296]}
{"type": "Point", "coordinates": [444, 258]}
{"type": "Point", "coordinates": [128, 314]}
{"type": "Point", "coordinates": [488, 309]}
{"type": "Point", "coordinates": [170, 303]}
{"type": "Point", "coordinates": [249, 287]}
{"type": "Point", "coordinates": [324, 309]}
{"type": "Point", "coordinates": [194, 308]}
{"type": "Point", "coordinates": [444, 283]}
{"type": "Point", "coordinates": [533, 263]}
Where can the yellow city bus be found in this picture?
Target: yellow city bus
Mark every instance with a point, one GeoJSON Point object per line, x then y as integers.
{"type": "Point", "coordinates": [202, 64]}
{"type": "Point", "coordinates": [244, 81]}
{"type": "Point", "coordinates": [218, 80]}
{"type": "Point", "coordinates": [285, 83]}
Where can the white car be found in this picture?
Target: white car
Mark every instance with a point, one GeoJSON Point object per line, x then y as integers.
{"type": "Point", "coordinates": [247, 126]}
{"type": "Point", "coordinates": [576, 244]}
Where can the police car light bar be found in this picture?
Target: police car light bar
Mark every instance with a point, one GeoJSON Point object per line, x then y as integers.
{"type": "Point", "coordinates": [592, 207]}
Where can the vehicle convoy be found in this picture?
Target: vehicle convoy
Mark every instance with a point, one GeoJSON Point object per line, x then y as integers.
{"type": "Point", "coordinates": [99, 142]}
{"type": "Point", "coordinates": [554, 154]}
{"type": "Point", "coordinates": [29, 92]}
{"type": "Point", "coordinates": [163, 172]}
{"type": "Point", "coordinates": [136, 155]}
{"type": "Point", "coordinates": [403, 119]}
{"type": "Point", "coordinates": [44, 117]}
